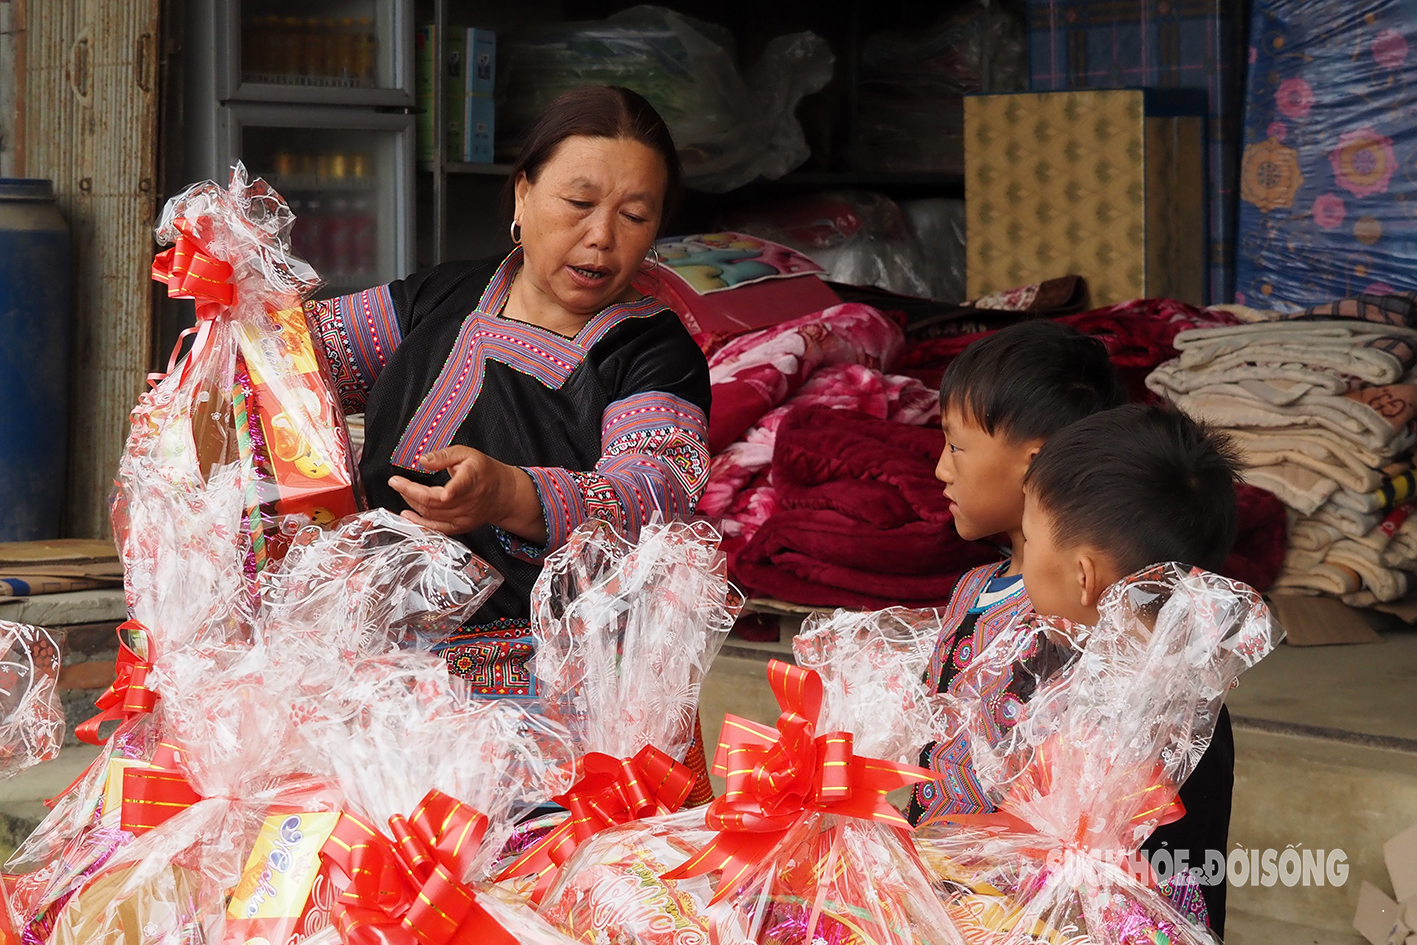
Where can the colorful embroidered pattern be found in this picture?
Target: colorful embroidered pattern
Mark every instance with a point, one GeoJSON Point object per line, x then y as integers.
{"type": "Point", "coordinates": [359, 332]}
{"type": "Point", "coordinates": [536, 352]}
{"type": "Point", "coordinates": [654, 459]}
{"type": "Point", "coordinates": [493, 658]}
{"type": "Point", "coordinates": [957, 790]}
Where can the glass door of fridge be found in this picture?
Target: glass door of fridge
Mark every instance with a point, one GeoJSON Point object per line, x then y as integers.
{"type": "Point", "coordinates": [341, 52]}
{"type": "Point", "coordinates": [347, 175]}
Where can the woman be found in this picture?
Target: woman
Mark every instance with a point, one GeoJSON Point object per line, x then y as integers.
{"type": "Point", "coordinates": [505, 402]}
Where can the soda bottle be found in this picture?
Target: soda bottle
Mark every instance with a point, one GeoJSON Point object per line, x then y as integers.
{"type": "Point", "coordinates": [337, 238]}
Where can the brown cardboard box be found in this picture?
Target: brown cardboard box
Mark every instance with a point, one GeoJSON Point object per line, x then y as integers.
{"type": "Point", "coordinates": [1105, 184]}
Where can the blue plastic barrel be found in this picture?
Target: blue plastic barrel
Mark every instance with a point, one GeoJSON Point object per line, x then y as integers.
{"type": "Point", "coordinates": [35, 326]}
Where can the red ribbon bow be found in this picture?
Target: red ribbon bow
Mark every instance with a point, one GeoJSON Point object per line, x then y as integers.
{"type": "Point", "coordinates": [129, 696]}
{"type": "Point", "coordinates": [776, 776]}
{"type": "Point", "coordinates": [1156, 801]}
{"type": "Point", "coordinates": [406, 890]}
{"type": "Point", "coordinates": [610, 791]}
{"type": "Point", "coordinates": [190, 272]}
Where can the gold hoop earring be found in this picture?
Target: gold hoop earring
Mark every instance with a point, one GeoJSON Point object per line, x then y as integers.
{"type": "Point", "coordinates": [516, 233]}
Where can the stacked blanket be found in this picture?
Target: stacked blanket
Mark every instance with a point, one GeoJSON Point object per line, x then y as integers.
{"type": "Point", "coordinates": [1322, 411]}
{"type": "Point", "coordinates": [833, 358]}
{"type": "Point", "coordinates": [823, 466]}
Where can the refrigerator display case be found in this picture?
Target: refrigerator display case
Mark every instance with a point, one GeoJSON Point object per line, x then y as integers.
{"type": "Point", "coordinates": [348, 176]}
{"type": "Point", "coordinates": [340, 52]}
{"type": "Point", "coordinates": [316, 96]}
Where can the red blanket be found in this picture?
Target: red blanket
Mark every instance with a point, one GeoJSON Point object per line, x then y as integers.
{"type": "Point", "coordinates": [1138, 336]}
{"type": "Point", "coordinates": [862, 522]}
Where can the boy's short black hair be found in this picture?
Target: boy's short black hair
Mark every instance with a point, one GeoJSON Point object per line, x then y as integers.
{"type": "Point", "coordinates": [1144, 484]}
{"type": "Point", "coordinates": [1030, 380]}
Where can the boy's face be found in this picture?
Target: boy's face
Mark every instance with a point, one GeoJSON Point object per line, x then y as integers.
{"type": "Point", "coordinates": [983, 476]}
{"type": "Point", "coordinates": [1062, 581]}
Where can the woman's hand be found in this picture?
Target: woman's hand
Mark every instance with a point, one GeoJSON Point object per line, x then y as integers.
{"type": "Point", "coordinates": [480, 490]}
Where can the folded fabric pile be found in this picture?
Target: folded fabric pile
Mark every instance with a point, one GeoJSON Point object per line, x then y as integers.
{"type": "Point", "coordinates": [1321, 406]}
{"type": "Point", "coordinates": [860, 519]}
{"type": "Point", "coordinates": [838, 358]}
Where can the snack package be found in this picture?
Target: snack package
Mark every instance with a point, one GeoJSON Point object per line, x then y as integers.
{"type": "Point", "coordinates": [804, 846]}
{"type": "Point", "coordinates": [625, 635]}
{"type": "Point", "coordinates": [240, 444]}
{"type": "Point", "coordinates": [1082, 757]}
{"type": "Point", "coordinates": [31, 717]}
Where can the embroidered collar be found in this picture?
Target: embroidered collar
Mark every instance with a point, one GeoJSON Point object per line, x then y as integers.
{"type": "Point", "coordinates": [486, 335]}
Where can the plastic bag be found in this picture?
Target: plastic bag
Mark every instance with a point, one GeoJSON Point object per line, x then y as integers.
{"type": "Point", "coordinates": [808, 845]}
{"type": "Point", "coordinates": [859, 237]}
{"type": "Point", "coordinates": [913, 84]}
{"type": "Point", "coordinates": [729, 130]}
{"type": "Point", "coordinates": [938, 224]}
{"type": "Point", "coordinates": [373, 583]}
{"type": "Point", "coordinates": [31, 716]}
{"type": "Point", "coordinates": [242, 443]}
{"type": "Point", "coordinates": [1087, 765]}
{"type": "Point", "coordinates": [625, 635]}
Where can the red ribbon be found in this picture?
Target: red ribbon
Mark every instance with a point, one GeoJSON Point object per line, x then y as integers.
{"type": "Point", "coordinates": [610, 791]}
{"type": "Point", "coordinates": [129, 696]}
{"type": "Point", "coordinates": [778, 776]}
{"type": "Point", "coordinates": [1036, 780]}
{"type": "Point", "coordinates": [152, 796]}
{"type": "Point", "coordinates": [406, 890]}
{"type": "Point", "coordinates": [190, 272]}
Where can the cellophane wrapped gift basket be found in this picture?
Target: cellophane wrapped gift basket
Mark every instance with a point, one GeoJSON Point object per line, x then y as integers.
{"type": "Point", "coordinates": [804, 846]}
{"type": "Point", "coordinates": [1082, 738]}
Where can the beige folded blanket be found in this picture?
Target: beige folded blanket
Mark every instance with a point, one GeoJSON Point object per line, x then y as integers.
{"type": "Point", "coordinates": [1375, 418]}
{"type": "Point", "coordinates": [1321, 450]}
{"type": "Point", "coordinates": [1296, 486]}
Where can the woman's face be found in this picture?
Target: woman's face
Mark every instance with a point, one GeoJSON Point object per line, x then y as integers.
{"type": "Point", "coordinates": [589, 219]}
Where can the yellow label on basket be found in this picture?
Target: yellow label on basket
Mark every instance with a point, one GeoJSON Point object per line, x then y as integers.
{"type": "Point", "coordinates": [282, 867]}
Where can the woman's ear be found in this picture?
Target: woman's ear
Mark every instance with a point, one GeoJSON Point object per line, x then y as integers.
{"type": "Point", "coordinates": [522, 186]}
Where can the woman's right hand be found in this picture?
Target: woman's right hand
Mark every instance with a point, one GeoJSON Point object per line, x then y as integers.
{"type": "Point", "coordinates": [480, 490]}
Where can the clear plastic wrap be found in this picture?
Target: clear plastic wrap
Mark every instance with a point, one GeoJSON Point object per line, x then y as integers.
{"type": "Point", "coordinates": [1087, 761]}
{"type": "Point", "coordinates": [241, 443]}
{"type": "Point", "coordinates": [371, 584]}
{"type": "Point", "coordinates": [804, 846]}
{"type": "Point", "coordinates": [860, 237]}
{"type": "Point", "coordinates": [730, 129]}
{"type": "Point", "coordinates": [31, 717]}
{"type": "Point", "coordinates": [625, 635]}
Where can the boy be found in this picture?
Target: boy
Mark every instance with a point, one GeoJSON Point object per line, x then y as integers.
{"type": "Point", "coordinates": [1106, 497]}
{"type": "Point", "coordinates": [1000, 400]}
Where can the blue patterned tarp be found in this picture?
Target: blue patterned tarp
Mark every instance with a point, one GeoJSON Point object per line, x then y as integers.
{"type": "Point", "coordinates": [1328, 179]}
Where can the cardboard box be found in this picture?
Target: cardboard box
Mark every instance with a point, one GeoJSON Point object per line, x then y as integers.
{"type": "Point", "coordinates": [1380, 919]}
{"type": "Point", "coordinates": [481, 62]}
{"type": "Point", "coordinates": [1108, 185]}
{"type": "Point", "coordinates": [478, 129]}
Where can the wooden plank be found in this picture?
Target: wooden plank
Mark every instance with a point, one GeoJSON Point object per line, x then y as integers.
{"type": "Point", "coordinates": [71, 551]}
{"type": "Point", "coordinates": [1320, 621]}
{"type": "Point", "coordinates": [91, 127]}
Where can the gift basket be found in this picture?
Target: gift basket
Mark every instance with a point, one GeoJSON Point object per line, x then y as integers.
{"type": "Point", "coordinates": [241, 443]}
{"type": "Point", "coordinates": [625, 635]}
{"type": "Point", "coordinates": [1083, 760]}
{"type": "Point", "coordinates": [31, 718]}
{"type": "Point", "coordinates": [804, 845]}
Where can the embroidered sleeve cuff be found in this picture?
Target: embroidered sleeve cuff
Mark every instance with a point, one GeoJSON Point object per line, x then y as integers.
{"type": "Point", "coordinates": [562, 505]}
{"type": "Point", "coordinates": [519, 547]}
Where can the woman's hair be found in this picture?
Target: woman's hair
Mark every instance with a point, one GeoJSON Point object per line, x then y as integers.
{"type": "Point", "coordinates": [595, 111]}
